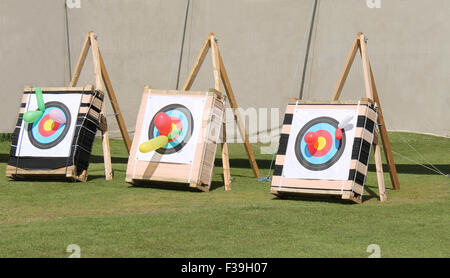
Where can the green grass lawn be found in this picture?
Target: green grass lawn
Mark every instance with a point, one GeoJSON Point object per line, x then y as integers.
{"type": "Point", "coordinates": [115, 219]}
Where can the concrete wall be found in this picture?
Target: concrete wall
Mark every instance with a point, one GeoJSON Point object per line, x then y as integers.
{"type": "Point", "coordinates": [262, 44]}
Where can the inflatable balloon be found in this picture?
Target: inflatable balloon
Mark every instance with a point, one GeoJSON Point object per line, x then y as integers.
{"type": "Point", "coordinates": [163, 123]}
{"type": "Point", "coordinates": [338, 134]}
{"type": "Point", "coordinates": [57, 116]}
{"type": "Point", "coordinates": [154, 144]}
{"type": "Point", "coordinates": [32, 116]}
{"type": "Point", "coordinates": [311, 138]}
{"type": "Point", "coordinates": [175, 132]}
{"type": "Point", "coordinates": [40, 99]}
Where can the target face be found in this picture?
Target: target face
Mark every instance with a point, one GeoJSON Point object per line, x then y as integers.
{"type": "Point", "coordinates": [186, 112]}
{"type": "Point", "coordinates": [45, 133]}
{"type": "Point", "coordinates": [44, 137]}
{"type": "Point", "coordinates": [182, 118]}
{"type": "Point", "coordinates": [326, 151]}
{"type": "Point", "coordinates": [313, 151]}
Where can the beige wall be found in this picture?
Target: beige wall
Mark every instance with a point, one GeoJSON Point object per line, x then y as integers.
{"type": "Point", "coordinates": [261, 42]}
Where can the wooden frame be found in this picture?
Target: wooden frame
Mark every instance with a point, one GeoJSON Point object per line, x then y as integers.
{"type": "Point", "coordinates": [198, 173]}
{"type": "Point", "coordinates": [102, 80]}
{"type": "Point", "coordinates": [351, 188]}
{"type": "Point", "coordinates": [359, 43]}
{"type": "Point", "coordinates": [74, 166]}
{"type": "Point", "coordinates": [220, 78]}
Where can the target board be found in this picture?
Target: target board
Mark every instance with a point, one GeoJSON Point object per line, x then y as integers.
{"type": "Point", "coordinates": [187, 157]}
{"type": "Point", "coordinates": [45, 147]}
{"type": "Point", "coordinates": [324, 148]}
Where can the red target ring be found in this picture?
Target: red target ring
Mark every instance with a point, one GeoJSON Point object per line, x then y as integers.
{"type": "Point", "coordinates": [323, 144]}
{"type": "Point", "coordinates": [43, 127]}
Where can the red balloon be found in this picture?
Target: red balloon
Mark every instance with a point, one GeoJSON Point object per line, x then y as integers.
{"type": "Point", "coordinates": [311, 138]}
{"type": "Point", "coordinates": [163, 123]}
{"type": "Point", "coordinates": [338, 134]}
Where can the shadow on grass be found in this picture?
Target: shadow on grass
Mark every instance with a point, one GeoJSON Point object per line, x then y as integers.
{"type": "Point", "coordinates": [173, 186]}
{"type": "Point", "coordinates": [323, 198]}
{"type": "Point", "coordinates": [401, 168]}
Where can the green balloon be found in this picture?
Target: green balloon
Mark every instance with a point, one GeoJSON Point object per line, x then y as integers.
{"type": "Point", "coordinates": [40, 99]}
{"type": "Point", "coordinates": [32, 116]}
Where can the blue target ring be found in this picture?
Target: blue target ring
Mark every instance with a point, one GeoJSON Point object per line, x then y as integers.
{"type": "Point", "coordinates": [180, 112]}
{"type": "Point", "coordinates": [333, 149]}
{"type": "Point", "coordinates": [45, 140]}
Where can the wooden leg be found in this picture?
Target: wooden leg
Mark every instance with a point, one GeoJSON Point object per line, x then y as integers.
{"type": "Point", "coordinates": [106, 150]}
{"type": "Point", "coordinates": [237, 116]}
{"type": "Point", "coordinates": [380, 176]}
{"type": "Point", "coordinates": [384, 136]}
{"type": "Point", "coordinates": [225, 160]}
{"type": "Point", "coordinates": [114, 104]}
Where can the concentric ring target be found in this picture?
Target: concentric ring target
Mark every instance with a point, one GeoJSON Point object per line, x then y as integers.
{"type": "Point", "coordinates": [44, 133]}
{"type": "Point", "coordinates": [326, 151]}
{"type": "Point", "coordinates": [182, 117]}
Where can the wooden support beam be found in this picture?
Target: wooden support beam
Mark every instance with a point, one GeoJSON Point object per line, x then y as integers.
{"type": "Point", "coordinates": [221, 77]}
{"type": "Point", "coordinates": [238, 118]}
{"type": "Point", "coordinates": [102, 80]}
{"type": "Point", "coordinates": [197, 64]}
{"type": "Point", "coordinates": [346, 69]}
{"type": "Point", "coordinates": [371, 93]}
{"type": "Point", "coordinates": [380, 176]}
{"type": "Point", "coordinates": [365, 64]}
{"type": "Point", "coordinates": [80, 62]}
{"type": "Point", "coordinates": [384, 136]}
{"type": "Point", "coordinates": [99, 86]}
{"type": "Point", "coordinates": [115, 104]}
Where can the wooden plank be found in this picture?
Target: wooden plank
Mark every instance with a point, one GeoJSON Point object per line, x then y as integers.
{"type": "Point", "coordinates": [56, 89]}
{"type": "Point", "coordinates": [225, 159]}
{"type": "Point", "coordinates": [198, 63]}
{"type": "Point", "coordinates": [365, 64]}
{"type": "Point", "coordinates": [346, 69]}
{"type": "Point", "coordinates": [237, 116]}
{"type": "Point", "coordinates": [312, 184]}
{"type": "Point", "coordinates": [384, 136]}
{"type": "Point", "coordinates": [115, 104]}
{"type": "Point", "coordinates": [380, 176]}
{"type": "Point", "coordinates": [99, 86]}
{"type": "Point", "coordinates": [80, 62]}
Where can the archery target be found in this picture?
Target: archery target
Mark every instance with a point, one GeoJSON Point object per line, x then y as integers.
{"type": "Point", "coordinates": [45, 138]}
{"type": "Point", "coordinates": [45, 133]}
{"type": "Point", "coordinates": [326, 151]}
{"type": "Point", "coordinates": [184, 121]}
{"type": "Point", "coordinates": [328, 158]}
{"type": "Point", "coordinates": [186, 113]}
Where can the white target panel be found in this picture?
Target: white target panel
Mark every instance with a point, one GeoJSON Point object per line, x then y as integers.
{"type": "Point", "coordinates": [186, 112]}
{"type": "Point", "coordinates": [38, 139]}
{"type": "Point", "coordinates": [328, 158]}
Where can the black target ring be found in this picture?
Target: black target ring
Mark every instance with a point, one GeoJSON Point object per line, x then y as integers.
{"type": "Point", "coordinates": [41, 145]}
{"type": "Point", "coordinates": [300, 136]}
{"type": "Point", "coordinates": [190, 128]}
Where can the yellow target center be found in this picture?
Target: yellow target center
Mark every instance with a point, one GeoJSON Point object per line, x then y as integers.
{"type": "Point", "coordinates": [49, 125]}
{"type": "Point", "coordinates": [320, 144]}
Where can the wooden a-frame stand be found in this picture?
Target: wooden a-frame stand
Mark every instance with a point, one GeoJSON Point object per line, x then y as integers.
{"type": "Point", "coordinates": [220, 76]}
{"type": "Point", "coordinates": [372, 94]}
{"type": "Point", "coordinates": [101, 77]}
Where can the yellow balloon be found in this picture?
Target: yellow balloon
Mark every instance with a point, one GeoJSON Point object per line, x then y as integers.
{"type": "Point", "coordinates": [154, 144]}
